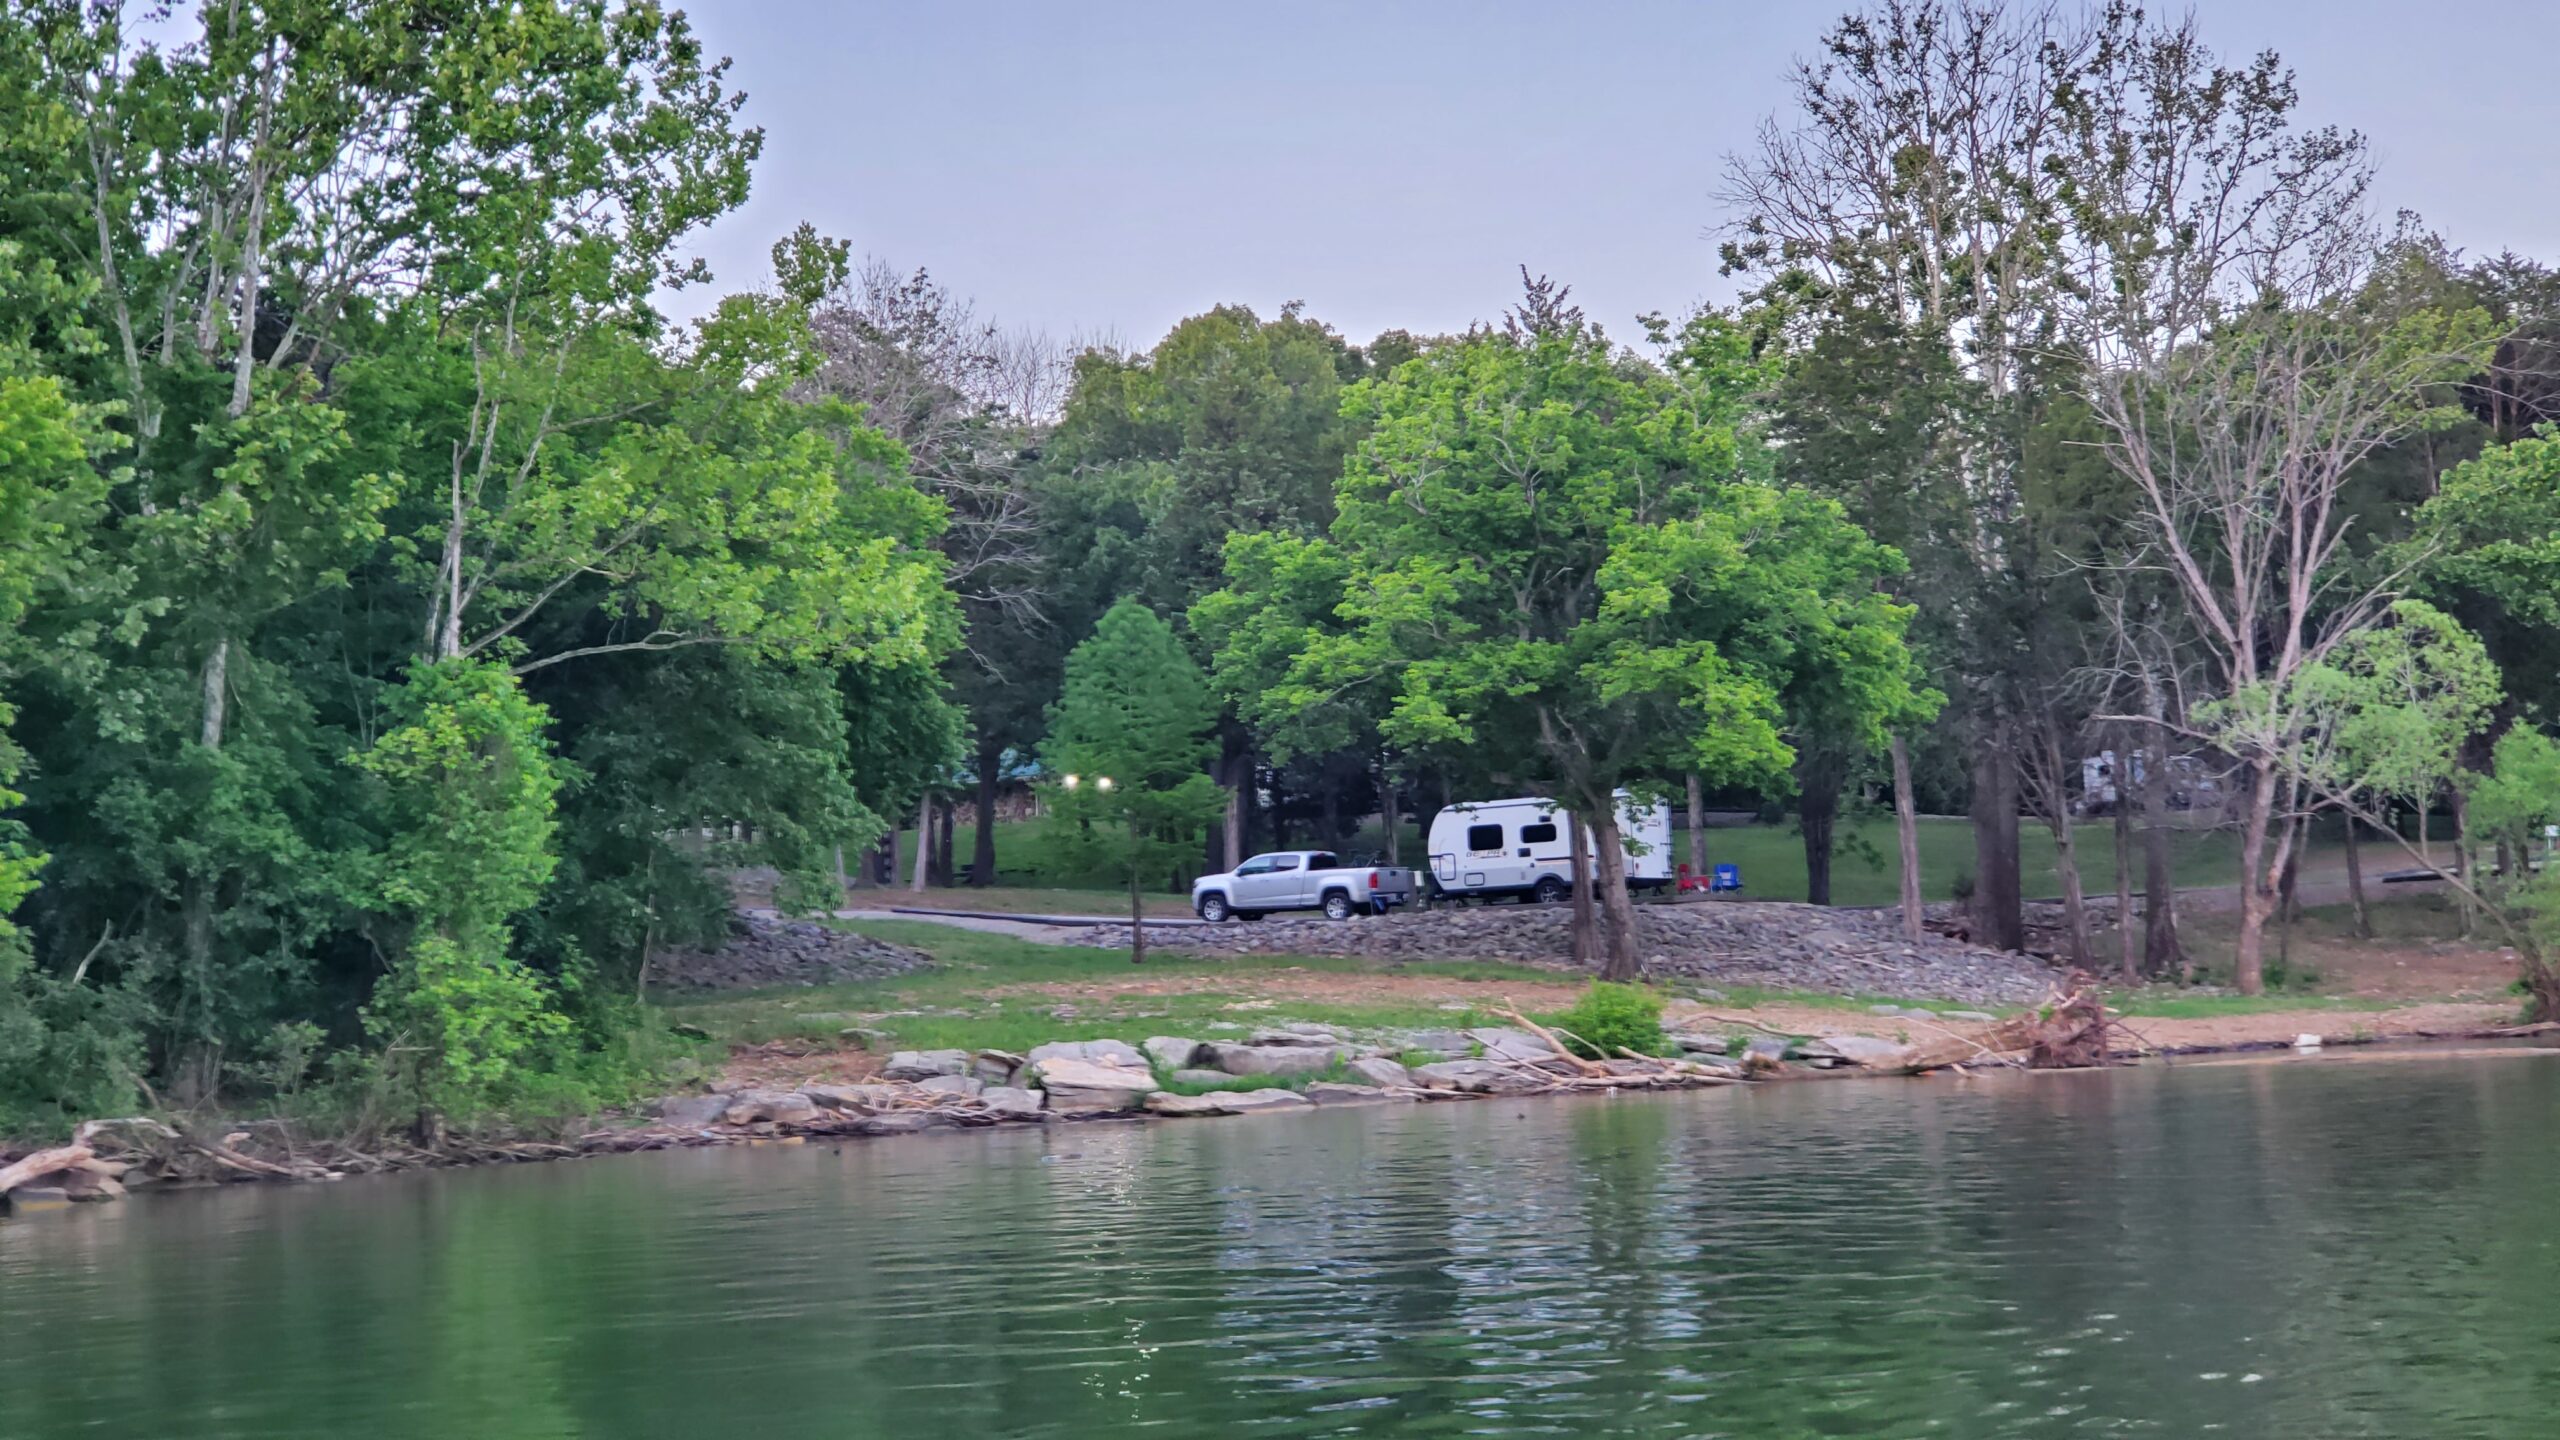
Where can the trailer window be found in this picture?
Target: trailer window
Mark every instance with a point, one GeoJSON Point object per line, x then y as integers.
{"type": "Point", "coordinates": [1539, 834]}
{"type": "Point", "coordinates": [1484, 837]}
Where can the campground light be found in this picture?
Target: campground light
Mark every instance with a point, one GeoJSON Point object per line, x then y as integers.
{"type": "Point", "coordinates": [1103, 783]}
{"type": "Point", "coordinates": [1071, 782]}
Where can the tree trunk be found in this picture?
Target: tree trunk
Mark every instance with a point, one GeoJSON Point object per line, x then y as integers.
{"type": "Point", "coordinates": [1819, 775]}
{"type": "Point", "coordinates": [2257, 888]}
{"type": "Point", "coordinates": [2066, 850]}
{"type": "Point", "coordinates": [1999, 919]}
{"type": "Point", "coordinates": [844, 882]}
{"type": "Point", "coordinates": [1235, 772]}
{"type": "Point", "coordinates": [2355, 883]}
{"type": "Point", "coordinates": [1332, 812]}
{"type": "Point", "coordinates": [945, 840]}
{"type": "Point", "coordinates": [1586, 947]}
{"type": "Point", "coordinates": [2162, 952]}
{"type": "Point", "coordinates": [216, 694]}
{"type": "Point", "coordinates": [1619, 961]}
{"type": "Point", "coordinates": [924, 844]}
{"type": "Point", "coordinates": [1697, 826]}
{"type": "Point", "coordinates": [1906, 833]}
{"type": "Point", "coordinates": [2126, 964]}
{"type": "Point", "coordinates": [1137, 922]}
{"type": "Point", "coordinates": [2462, 856]}
{"type": "Point", "coordinates": [1389, 813]}
{"type": "Point", "coordinates": [982, 853]}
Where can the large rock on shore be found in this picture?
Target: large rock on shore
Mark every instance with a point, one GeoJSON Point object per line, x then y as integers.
{"type": "Point", "coordinates": [1862, 1050]}
{"type": "Point", "coordinates": [1081, 1087]}
{"type": "Point", "coordinates": [1283, 1060]}
{"type": "Point", "coordinates": [1503, 1043]}
{"type": "Point", "coordinates": [1473, 1076]}
{"type": "Point", "coordinates": [1380, 1071]}
{"type": "Point", "coordinates": [1172, 1052]}
{"type": "Point", "coordinates": [782, 1107]}
{"type": "Point", "coordinates": [1099, 1052]}
{"type": "Point", "coordinates": [1225, 1102]}
{"type": "Point", "coordinates": [1009, 1101]}
{"type": "Point", "coordinates": [691, 1112]}
{"type": "Point", "coordinates": [925, 1064]}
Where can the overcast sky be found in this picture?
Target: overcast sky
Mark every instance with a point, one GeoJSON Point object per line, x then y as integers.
{"type": "Point", "coordinates": [1106, 168]}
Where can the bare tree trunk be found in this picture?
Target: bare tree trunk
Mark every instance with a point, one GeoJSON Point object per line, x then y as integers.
{"type": "Point", "coordinates": [1586, 948]}
{"type": "Point", "coordinates": [1697, 826]}
{"type": "Point", "coordinates": [1906, 832]}
{"type": "Point", "coordinates": [2126, 965]}
{"type": "Point", "coordinates": [1619, 961]}
{"type": "Point", "coordinates": [2162, 952]}
{"type": "Point", "coordinates": [982, 853]}
{"type": "Point", "coordinates": [1235, 771]}
{"type": "Point", "coordinates": [844, 882]}
{"type": "Point", "coordinates": [2066, 847]}
{"type": "Point", "coordinates": [2355, 882]}
{"type": "Point", "coordinates": [924, 844]}
{"type": "Point", "coordinates": [2257, 888]}
{"type": "Point", "coordinates": [216, 694]}
{"type": "Point", "coordinates": [1999, 919]}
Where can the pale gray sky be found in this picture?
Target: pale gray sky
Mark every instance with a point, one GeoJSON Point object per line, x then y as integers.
{"type": "Point", "coordinates": [1108, 166]}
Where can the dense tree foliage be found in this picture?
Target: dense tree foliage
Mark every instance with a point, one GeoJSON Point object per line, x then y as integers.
{"type": "Point", "coordinates": [406, 632]}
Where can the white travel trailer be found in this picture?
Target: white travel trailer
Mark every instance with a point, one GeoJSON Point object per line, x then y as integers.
{"type": "Point", "coordinates": [1517, 847]}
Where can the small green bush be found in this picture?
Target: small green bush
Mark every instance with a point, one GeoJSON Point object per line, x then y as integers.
{"type": "Point", "coordinates": [1609, 1018]}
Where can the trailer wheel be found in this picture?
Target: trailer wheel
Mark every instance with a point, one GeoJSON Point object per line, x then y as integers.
{"type": "Point", "coordinates": [1551, 891]}
{"type": "Point", "coordinates": [1337, 905]}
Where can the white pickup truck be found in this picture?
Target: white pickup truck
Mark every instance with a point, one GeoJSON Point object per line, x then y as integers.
{"type": "Point", "coordinates": [1300, 880]}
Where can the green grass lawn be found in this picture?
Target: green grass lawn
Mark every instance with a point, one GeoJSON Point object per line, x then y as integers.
{"type": "Point", "coordinates": [1863, 868]}
{"type": "Point", "coordinates": [948, 1006]}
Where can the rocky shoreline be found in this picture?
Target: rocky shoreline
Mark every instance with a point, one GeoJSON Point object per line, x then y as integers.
{"type": "Point", "coordinates": [1293, 1067]}
{"type": "Point", "coordinates": [1735, 943]}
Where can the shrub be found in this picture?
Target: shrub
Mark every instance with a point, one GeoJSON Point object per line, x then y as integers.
{"type": "Point", "coordinates": [1609, 1018]}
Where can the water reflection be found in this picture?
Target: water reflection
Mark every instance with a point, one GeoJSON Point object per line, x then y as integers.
{"type": "Point", "coordinates": [2308, 1250]}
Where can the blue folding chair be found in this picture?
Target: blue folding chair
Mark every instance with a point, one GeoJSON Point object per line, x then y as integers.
{"type": "Point", "coordinates": [1728, 877]}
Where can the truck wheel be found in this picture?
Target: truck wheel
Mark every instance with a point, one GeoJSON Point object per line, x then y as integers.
{"type": "Point", "coordinates": [1551, 891]}
{"type": "Point", "coordinates": [1337, 905]}
{"type": "Point", "coordinates": [1213, 908]}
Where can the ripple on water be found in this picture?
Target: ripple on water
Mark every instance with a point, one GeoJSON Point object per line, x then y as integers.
{"type": "Point", "coordinates": [2350, 1251]}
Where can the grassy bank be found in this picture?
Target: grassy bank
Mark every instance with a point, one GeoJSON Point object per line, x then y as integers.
{"type": "Point", "coordinates": [1771, 856]}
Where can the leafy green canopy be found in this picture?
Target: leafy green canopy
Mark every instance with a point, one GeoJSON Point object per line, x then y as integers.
{"type": "Point", "coordinates": [2488, 547]}
{"type": "Point", "coordinates": [337, 431]}
{"type": "Point", "coordinates": [1559, 566]}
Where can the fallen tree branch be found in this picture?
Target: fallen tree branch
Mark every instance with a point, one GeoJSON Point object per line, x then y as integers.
{"type": "Point", "coordinates": [1511, 1013]}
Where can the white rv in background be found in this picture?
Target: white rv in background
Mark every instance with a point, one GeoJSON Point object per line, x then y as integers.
{"type": "Point", "coordinates": [1517, 847]}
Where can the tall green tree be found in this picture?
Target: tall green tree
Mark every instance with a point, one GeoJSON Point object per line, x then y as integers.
{"type": "Point", "coordinates": [1563, 570]}
{"type": "Point", "coordinates": [1129, 747]}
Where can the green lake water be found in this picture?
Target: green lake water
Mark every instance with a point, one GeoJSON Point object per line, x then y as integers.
{"type": "Point", "coordinates": [2326, 1248]}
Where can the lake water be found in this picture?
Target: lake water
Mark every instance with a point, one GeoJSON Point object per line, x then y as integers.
{"type": "Point", "coordinates": [2323, 1249]}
